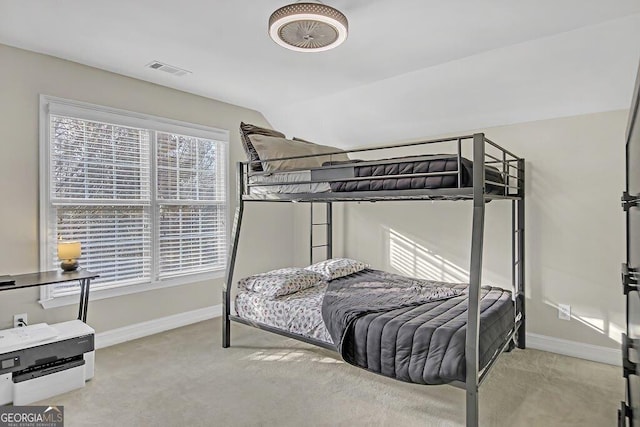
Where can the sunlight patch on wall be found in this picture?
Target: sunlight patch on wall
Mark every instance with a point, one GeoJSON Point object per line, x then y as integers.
{"type": "Point", "coordinates": [600, 325]}
{"type": "Point", "coordinates": [615, 332]}
{"type": "Point", "coordinates": [610, 329]}
{"type": "Point", "coordinates": [413, 259]}
{"type": "Point", "coordinates": [593, 322]}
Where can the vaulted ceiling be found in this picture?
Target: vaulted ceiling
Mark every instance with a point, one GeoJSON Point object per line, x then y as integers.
{"type": "Point", "coordinates": [410, 68]}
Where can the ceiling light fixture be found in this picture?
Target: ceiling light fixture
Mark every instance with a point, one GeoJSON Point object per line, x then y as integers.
{"type": "Point", "coordinates": [308, 27]}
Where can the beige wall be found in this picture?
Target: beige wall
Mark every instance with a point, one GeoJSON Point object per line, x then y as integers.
{"type": "Point", "coordinates": [575, 228]}
{"type": "Point", "coordinates": [23, 77]}
{"type": "Point", "coordinates": [574, 222]}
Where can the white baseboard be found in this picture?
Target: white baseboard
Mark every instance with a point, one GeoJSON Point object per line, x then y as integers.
{"type": "Point", "coordinates": [139, 330]}
{"type": "Point", "coordinates": [580, 350]}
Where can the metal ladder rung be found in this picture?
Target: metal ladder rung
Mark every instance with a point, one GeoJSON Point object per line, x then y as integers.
{"type": "Point", "coordinates": [328, 226]}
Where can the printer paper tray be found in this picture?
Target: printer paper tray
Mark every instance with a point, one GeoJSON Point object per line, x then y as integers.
{"type": "Point", "coordinates": [27, 392]}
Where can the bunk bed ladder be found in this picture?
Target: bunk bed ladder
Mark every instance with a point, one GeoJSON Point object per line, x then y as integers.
{"type": "Point", "coordinates": [328, 245]}
{"type": "Point", "coordinates": [518, 256]}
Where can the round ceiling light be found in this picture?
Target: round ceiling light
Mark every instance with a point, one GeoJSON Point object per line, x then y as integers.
{"type": "Point", "coordinates": [308, 27]}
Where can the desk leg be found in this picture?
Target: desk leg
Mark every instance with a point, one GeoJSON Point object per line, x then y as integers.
{"type": "Point", "coordinates": [84, 299]}
{"type": "Point", "coordinates": [83, 291]}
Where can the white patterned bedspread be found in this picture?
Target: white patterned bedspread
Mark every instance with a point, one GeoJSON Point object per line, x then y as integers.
{"type": "Point", "coordinates": [299, 313]}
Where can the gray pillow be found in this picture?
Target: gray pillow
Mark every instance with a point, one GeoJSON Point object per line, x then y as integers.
{"type": "Point", "coordinates": [248, 129]}
{"type": "Point", "coordinates": [269, 147]}
{"type": "Point", "coordinates": [334, 159]}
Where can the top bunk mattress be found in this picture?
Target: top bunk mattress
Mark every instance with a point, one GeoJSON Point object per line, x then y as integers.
{"type": "Point", "coordinates": [401, 173]}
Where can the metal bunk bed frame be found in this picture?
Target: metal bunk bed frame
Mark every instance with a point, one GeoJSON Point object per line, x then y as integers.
{"type": "Point", "coordinates": [514, 190]}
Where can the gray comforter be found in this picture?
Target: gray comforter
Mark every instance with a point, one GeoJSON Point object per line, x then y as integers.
{"type": "Point", "coordinates": [397, 172]}
{"type": "Point", "coordinates": [408, 329]}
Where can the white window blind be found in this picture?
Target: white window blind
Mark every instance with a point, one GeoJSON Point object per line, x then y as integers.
{"type": "Point", "coordinates": [146, 203]}
{"type": "Point", "coordinates": [191, 204]}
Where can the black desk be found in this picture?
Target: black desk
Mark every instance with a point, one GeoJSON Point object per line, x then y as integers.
{"type": "Point", "coordinates": [51, 277]}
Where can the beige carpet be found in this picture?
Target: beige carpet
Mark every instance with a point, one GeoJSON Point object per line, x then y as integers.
{"type": "Point", "coordinates": [184, 378]}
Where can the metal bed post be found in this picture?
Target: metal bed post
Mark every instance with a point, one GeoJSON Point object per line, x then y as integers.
{"type": "Point", "coordinates": [459, 162]}
{"type": "Point", "coordinates": [520, 298]}
{"type": "Point", "coordinates": [235, 236]}
{"type": "Point", "coordinates": [311, 230]}
{"type": "Point", "coordinates": [329, 230]}
{"type": "Point", "coordinates": [473, 312]}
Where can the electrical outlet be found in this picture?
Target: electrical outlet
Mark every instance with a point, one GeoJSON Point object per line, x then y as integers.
{"type": "Point", "coordinates": [564, 312]}
{"type": "Point", "coordinates": [20, 320]}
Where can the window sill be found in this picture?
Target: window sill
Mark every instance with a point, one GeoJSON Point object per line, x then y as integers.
{"type": "Point", "coordinates": [99, 294]}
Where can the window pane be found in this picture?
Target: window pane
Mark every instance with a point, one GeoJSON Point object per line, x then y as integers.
{"type": "Point", "coordinates": [116, 240]}
{"type": "Point", "coordinates": [192, 238]}
{"type": "Point", "coordinates": [93, 160]}
{"type": "Point", "coordinates": [187, 152]}
{"type": "Point", "coordinates": [167, 152]}
{"type": "Point", "coordinates": [187, 169]}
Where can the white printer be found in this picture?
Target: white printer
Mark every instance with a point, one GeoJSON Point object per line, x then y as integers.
{"type": "Point", "coordinates": [41, 361]}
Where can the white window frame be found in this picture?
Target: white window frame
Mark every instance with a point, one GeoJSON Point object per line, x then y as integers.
{"type": "Point", "coordinates": [87, 111]}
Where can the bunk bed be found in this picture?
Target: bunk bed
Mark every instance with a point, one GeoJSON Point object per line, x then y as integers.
{"type": "Point", "coordinates": [481, 322]}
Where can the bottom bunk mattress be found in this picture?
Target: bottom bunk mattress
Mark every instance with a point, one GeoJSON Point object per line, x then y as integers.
{"type": "Point", "coordinates": [423, 343]}
{"type": "Point", "coordinates": [299, 313]}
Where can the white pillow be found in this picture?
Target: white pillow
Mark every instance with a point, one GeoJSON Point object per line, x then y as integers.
{"type": "Point", "coordinates": [337, 267]}
{"type": "Point", "coordinates": [281, 282]}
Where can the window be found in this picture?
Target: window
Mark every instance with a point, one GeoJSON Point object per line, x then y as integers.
{"type": "Point", "coordinates": [146, 197]}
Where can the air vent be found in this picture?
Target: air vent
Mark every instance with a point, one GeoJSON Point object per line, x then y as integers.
{"type": "Point", "coordinates": [157, 65]}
